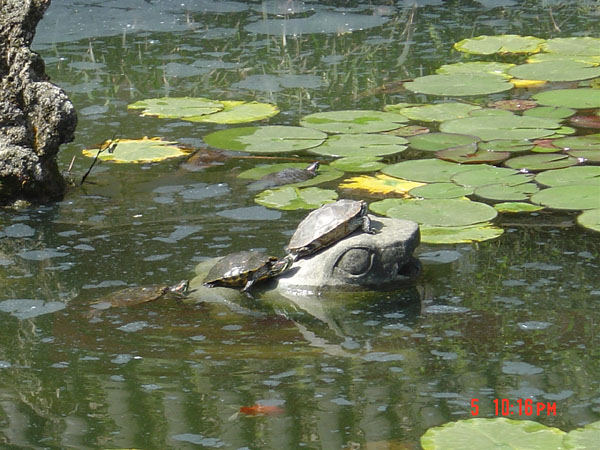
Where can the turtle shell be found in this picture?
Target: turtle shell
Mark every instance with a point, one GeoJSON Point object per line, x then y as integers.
{"type": "Point", "coordinates": [239, 269]}
{"type": "Point", "coordinates": [140, 294]}
{"type": "Point", "coordinates": [328, 224]}
{"type": "Point", "coordinates": [286, 176]}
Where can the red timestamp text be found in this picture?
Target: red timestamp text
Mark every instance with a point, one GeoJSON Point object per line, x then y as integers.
{"type": "Point", "coordinates": [520, 407]}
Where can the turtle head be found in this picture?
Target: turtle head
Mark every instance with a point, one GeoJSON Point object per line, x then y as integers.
{"type": "Point", "coordinates": [180, 288]}
{"type": "Point", "coordinates": [283, 264]}
{"type": "Point", "coordinates": [313, 167]}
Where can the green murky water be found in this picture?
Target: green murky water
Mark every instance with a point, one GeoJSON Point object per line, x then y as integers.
{"type": "Point", "coordinates": [513, 318]}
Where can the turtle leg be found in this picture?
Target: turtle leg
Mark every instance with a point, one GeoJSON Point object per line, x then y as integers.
{"type": "Point", "coordinates": [366, 225]}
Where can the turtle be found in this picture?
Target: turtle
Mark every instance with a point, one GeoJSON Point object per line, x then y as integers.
{"type": "Point", "coordinates": [328, 224]}
{"type": "Point", "coordinates": [243, 269]}
{"type": "Point", "coordinates": [140, 294]}
{"type": "Point", "coordinates": [286, 176]}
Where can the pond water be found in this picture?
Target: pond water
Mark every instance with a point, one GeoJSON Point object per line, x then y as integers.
{"type": "Point", "coordinates": [512, 318]}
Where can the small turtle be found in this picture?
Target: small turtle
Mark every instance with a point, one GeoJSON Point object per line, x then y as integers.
{"type": "Point", "coordinates": [285, 176]}
{"type": "Point", "coordinates": [328, 224]}
{"type": "Point", "coordinates": [243, 269]}
{"type": "Point", "coordinates": [140, 294]}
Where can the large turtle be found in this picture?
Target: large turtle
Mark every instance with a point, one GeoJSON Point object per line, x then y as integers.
{"type": "Point", "coordinates": [285, 176]}
{"type": "Point", "coordinates": [328, 224]}
{"type": "Point", "coordinates": [140, 294]}
{"type": "Point", "coordinates": [243, 269]}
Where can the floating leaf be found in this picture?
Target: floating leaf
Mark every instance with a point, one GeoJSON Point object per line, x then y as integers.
{"type": "Point", "coordinates": [140, 151]}
{"type": "Point", "coordinates": [177, 107]}
{"type": "Point", "coordinates": [556, 71]}
{"type": "Point", "coordinates": [516, 207]}
{"type": "Point", "coordinates": [526, 84]}
{"type": "Point", "coordinates": [492, 434]}
{"type": "Point", "coordinates": [380, 184]}
{"type": "Point", "coordinates": [541, 161]}
{"type": "Point", "coordinates": [583, 98]}
{"type": "Point", "coordinates": [360, 145]}
{"type": "Point", "coordinates": [432, 142]}
{"type": "Point", "coordinates": [569, 176]}
{"type": "Point", "coordinates": [491, 112]}
{"type": "Point", "coordinates": [358, 164]}
{"type": "Point", "coordinates": [587, 142]}
{"type": "Point", "coordinates": [238, 112]}
{"type": "Point", "coordinates": [573, 197]}
{"type": "Point", "coordinates": [324, 174]}
{"type": "Point", "coordinates": [494, 68]}
{"type": "Point", "coordinates": [514, 104]}
{"type": "Point", "coordinates": [437, 212]}
{"type": "Point", "coordinates": [503, 192]}
{"type": "Point", "coordinates": [428, 170]}
{"type": "Point", "coordinates": [291, 198]}
{"type": "Point", "coordinates": [440, 190]}
{"type": "Point", "coordinates": [458, 84]}
{"type": "Point", "coordinates": [469, 154]}
{"type": "Point", "coordinates": [591, 121]}
{"type": "Point", "coordinates": [354, 121]}
{"type": "Point", "coordinates": [459, 235]}
{"type": "Point", "coordinates": [538, 149]}
{"type": "Point", "coordinates": [267, 139]}
{"type": "Point", "coordinates": [550, 112]}
{"type": "Point", "coordinates": [491, 175]}
{"type": "Point", "coordinates": [408, 130]}
{"type": "Point", "coordinates": [586, 155]}
{"type": "Point", "coordinates": [590, 219]}
{"type": "Point", "coordinates": [508, 43]}
{"type": "Point", "coordinates": [502, 127]}
{"type": "Point", "coordinates": [438, 112]}
{"type": "Point", "coordinates": [573, 46]}
{"type": "Point", "coordinates": [506, 145]}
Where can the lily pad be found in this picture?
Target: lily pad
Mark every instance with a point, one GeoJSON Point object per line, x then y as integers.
{"type": "Point", "coordinates": [573, 46]}
{"type": "Point", "coordinates": [589, 121]}
{"type": "Point", "coordinates": [459, 235]}
{"type": "Point", "coordinates": [324, 174]}
{"type": "Point", "coordinates": [360, 145]}
{"type": "Point", "coordinates": [492, 434]}
{"type": "Point", "coordinates": [491, 175]}
{"type": "Point", "coordinates": [586, 155]}
{"type": "Point", "coordinates": [573, 197]}
{"type": "Point", "coordinates": [550, 112]}
{"type": "Point", "coordinates": [458, 84]}
{"type": "Point", "coordinates": [506, 145]}
{"type": "Point", "coordinates": [267, 139]}
{"type": "Point", "coordinates": [440, 190]}
{"type": "Point", "coordinates": [469, 154]}
{"type": "Point", "coordinates": [291, 198]}
{"type": "Point", "coordinates": [508, 43]}
{"type": "Point", "coordinates": [380, 184]}
{"type": "Point", "coordinates": [541, 161]}
{"type": "Point", "coordinates": [502, 127]}
{"type": "Point", "coordinates": [428, 170]}
{"type": "Point", "coordinates": [590, 219]}
{"type": "Point", "coordinates": [358, 164]}
{"type": "Point", "coordinates": [556, 71]}
{"type": "Point", "coordinates": [494, 68]}
{"type": "Point", "coordinates": [569, 176]}
{"type": "Point", "coordinates": [177, 107]}
{"type": "Point", "coordinates": [513, 104]}
{"type": "Point", "coordinates": [238, 112]}
{"type": "Point", "coordinates": [432, 142]}
{"type": "Point", "coordinates": [436, 212]}
{"type": "Point", "coordinates": [139, 151]}
{"type": "Point", "coordinates": [354, 121]}
{"type": "Point", "coordinates": [583, 98]}
{"type": "Point", "coordinates": [586, 142]}
{"type": "Point", "coordinates": [516, 207]}
{"type": "Point", "coordinates": [438, 112]}
{"type": "Point", "coordinates": [503, 192]}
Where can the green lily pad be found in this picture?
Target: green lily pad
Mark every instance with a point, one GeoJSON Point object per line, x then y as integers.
{"type": "Point", "coordinates": [360, 145]}
{"type": "Point", "coordinates": [506, 145]}
{"type": "Point", "coordinates": [491, 175]}
{"type": "Point", "coordinates": [491, 112]}
{"type": "Point", "coordinates": [573, 197]}
{"type": "Point", "coordinates": [586, 155]}
{"type": "Point", "coordinates": [438, 112]}
{"type": "Point", "coordinates": [569, 176]}
{"type": "Point", "coordinates": [354, 121]}
{"type": "Point", "coordinates": [493, 68]}
{"type": "Point", "coordinates": [359, 164]}
{"type": "Point", "coordinates": [587, 142]}
{"type": "Point", "coordinates": [583, 98]}
{"type": "Point", "coordinates": [564, 70]}
{"type": "Point", "coordinates": [238, 112]}
{"type": "Point", "coordinates": [516, 207]}
{"type": "Point", "coordinates": [509, 43]}
{"type": "Point", "coordinates": [538, 149]}
{"type": "Point", "coordinates": [503, 192]}
{"type": "Point", "coordinates": [459, 84]}
{"type": "Point", "coordinates": [490, 434]}
{"type": "Point", "coordinates": [432, 142]}
{"type": "Point", "coordinates": [590, 219]}
{"type": "Point", "coordinates": [459, 235]}
{"type": "Point", "coordinates": [502, 127]}
{"type": "Point", "coordinates": [437, 212]}
{"type": "Point", "coordinates": [469, 154]}
{"type": "Point", "coordinates": [550, 112]}
{"type": "Point", "coordinates": [267, 139]}
{"type": "Point", "coordinates": [139, 151]}
{"type": "Point", "coordinates": [324, 174]}
{"type": "Point", "coordinates": [291, 198]}
{"type": "Point", "coordinates": [427, 170]}
{"type": "Point", "coordinates": [440, 190]}
{"type": "Point", "coordinates": [177, 107]}
{"type": "Point", "coordinates": [573, 46]}
{"type": "Point", "coordinates": [541, 161]}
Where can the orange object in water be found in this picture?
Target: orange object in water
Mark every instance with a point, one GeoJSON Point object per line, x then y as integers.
{"type": "Point", "coordinates": [260, 410]}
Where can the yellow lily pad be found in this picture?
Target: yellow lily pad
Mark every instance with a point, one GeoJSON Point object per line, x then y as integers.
{"type": "Point", "coordinates": [137, 150]}
{"type": "Point", "coordinates": [380, 184]}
